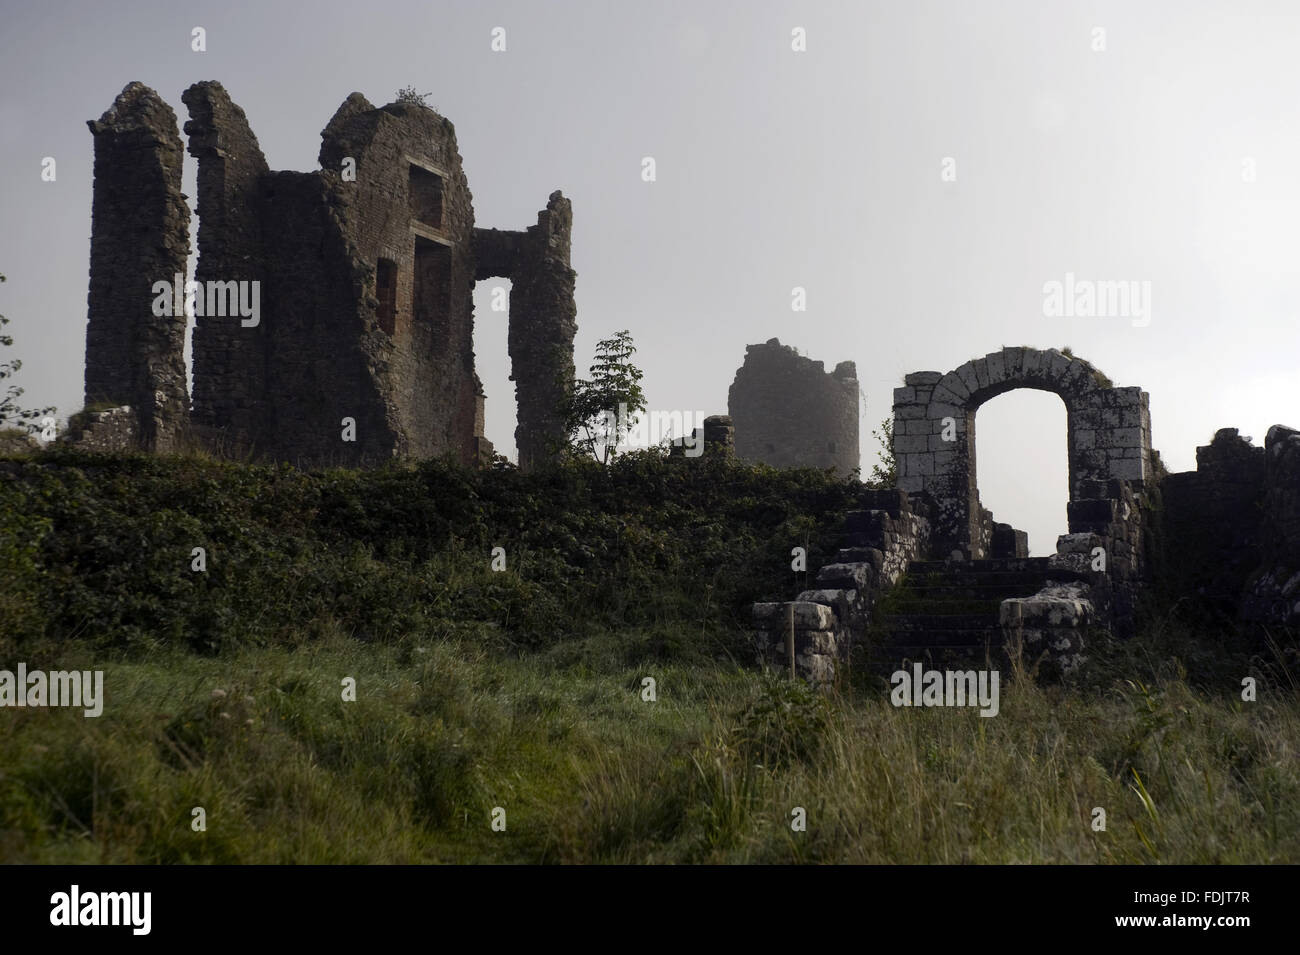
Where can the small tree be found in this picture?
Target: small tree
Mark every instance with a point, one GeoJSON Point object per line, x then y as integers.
{"type": "Point", "coordinates": [11, 414]}
{"type": "Point", "coordinates": [408, 94]}
{"type": "Point", "coordinates": [598, 411]}
{"type": "Point", "coordinates": [884, 473]}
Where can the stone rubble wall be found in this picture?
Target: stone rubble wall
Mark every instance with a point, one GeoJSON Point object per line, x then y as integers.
{"type": "Point", "coordinates": [1232, 527]}
{"type": "Point", "coordinates": [110, 431]}
{"type": "Point", "coordinates": [139, 236]}
{"type": "Point", "coordinates": [1272, 596]}
{"type": "Point", "coordinates": [1212, 520]}
{"type": "Point", "coordinates": [1053, 622]}
{"type": "Point", "coordinates": [719, 439]}
{"type": "Point", "coordinates": [890, 532]}
{"type": "Point", "coordinates": [1095, 578]}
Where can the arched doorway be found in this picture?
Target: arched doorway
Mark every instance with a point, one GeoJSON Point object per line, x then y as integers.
{"type": "Point", "coordinates": [1109, 434]}
{"type": "Point", "coordinates": [1021, 465]}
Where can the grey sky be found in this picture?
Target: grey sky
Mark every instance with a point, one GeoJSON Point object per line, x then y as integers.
{"type": "Point", "coordinates": [775, 169]}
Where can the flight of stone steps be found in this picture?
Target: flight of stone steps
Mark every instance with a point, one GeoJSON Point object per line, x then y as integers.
{"type": "Point", "coordinates": [944, 610]}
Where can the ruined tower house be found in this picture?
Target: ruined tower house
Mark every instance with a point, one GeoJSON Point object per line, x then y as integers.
{"type": "Point", "coordinates": [788, 411]}
{"type": "Point", "coordinates": [363, 272]}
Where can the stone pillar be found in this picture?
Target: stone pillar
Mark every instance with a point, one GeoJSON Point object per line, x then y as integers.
{"type": "Point", "coordinates": [927, 462]}
{"type": "Point", "coordinates": [229, 359]}
{"type": "Point", "coordinates": [1110, 431]}
{"type": "Point", "coordinates": [543, 322]}
{"type": "Point", "coordinates": [139, 236]}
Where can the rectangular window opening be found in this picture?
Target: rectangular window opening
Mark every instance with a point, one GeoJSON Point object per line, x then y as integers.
{"type": "Point", "coordinates": [426, 197]}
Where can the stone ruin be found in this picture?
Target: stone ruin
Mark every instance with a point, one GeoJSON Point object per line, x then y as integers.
{"type": "Point", "coordinates": [343, 293]}
{"type": "Point", "coordinates": [960, 584]}
{"type": "Point", "coordinates": [363, 313]}
{"type": "Point", "coordinates": [788, 411]}
{"type": "Point", "coordinates": [934, 434]}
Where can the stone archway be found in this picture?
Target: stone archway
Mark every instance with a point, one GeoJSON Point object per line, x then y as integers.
{"type": "Point", "coordinates": [934, 434]}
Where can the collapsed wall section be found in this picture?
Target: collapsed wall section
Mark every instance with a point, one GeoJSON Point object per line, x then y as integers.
{"type": "Point", "coordinates": [229, 356]}
{"type": "Point", "coordinates": [334, 309]}
{"type": "Point", "coordinates": [543, 320]}
{"type": "Point", "coordinates": [1273, 592]}
{"type": "Point", "coordinates": [1232, 527]}
{"type": "Point", "coordinates": [139, 236]}
{"type": "Point", "coordinates": [881, 541]}
{"type": "Point", "coordinates": [790, 412]}
{"type": "Point", "coordinates": [1211, 521]}
{"type": "Point", "coordinates": [404, 209]}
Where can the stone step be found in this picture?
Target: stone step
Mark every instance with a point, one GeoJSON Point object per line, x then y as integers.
{"type": "Point", "coordinates": [991, 565]}
{"type": "Point", "coordinates": [977, 579]}
{"type": "Point", "coordinates": [947, 593]}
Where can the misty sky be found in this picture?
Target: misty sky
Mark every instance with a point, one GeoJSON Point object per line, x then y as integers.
{"type": "Point", "coordinates": [775, 169]}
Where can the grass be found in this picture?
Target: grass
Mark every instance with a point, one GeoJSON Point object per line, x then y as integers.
{"type": "Point", "coordinates": [587, 771]}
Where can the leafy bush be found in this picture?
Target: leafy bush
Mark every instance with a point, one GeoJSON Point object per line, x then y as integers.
{"type": "Point", "coordinates": [103, 548]}
{"type": "Point", "coordinates": [785, 725]}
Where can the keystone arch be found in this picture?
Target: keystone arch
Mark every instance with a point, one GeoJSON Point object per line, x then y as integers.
{"type": "Point", "coordinates": [1109, 434]}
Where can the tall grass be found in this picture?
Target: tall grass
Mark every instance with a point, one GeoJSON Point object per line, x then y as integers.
{"type": "Point", "coordinates": [587, 771]}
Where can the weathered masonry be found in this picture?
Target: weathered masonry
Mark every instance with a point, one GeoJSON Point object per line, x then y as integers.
{"type": "Point", "coordinates": [934, 434]}
{"type": "Point", "coordinates": [1225, 537]}
{"type": "Point", "coordinates": [788, 411]}
{"type": "Point", "coordinates": [362, 274]}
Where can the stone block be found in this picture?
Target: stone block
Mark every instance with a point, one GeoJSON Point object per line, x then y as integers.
{"type": "Point", "coordinates": [997, 369]}
{"type": "Point", "coordinates": [1128, 469]}
{"type": "Point", "coordinates": [856, 576]}
{"type": "Point", "coordinates": [910, 443]}
{"type": "Point", "coordinates": [922, 464]}
{"type": "Point", "coordinates": [923, 378]}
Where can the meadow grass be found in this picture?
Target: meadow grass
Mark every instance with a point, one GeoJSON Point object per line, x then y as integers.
{"type": "Point", "coordinates": [446, 729]}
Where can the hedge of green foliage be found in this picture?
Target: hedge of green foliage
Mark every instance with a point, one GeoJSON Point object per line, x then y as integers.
{"type": "Point", "coordinates": [100, 548]}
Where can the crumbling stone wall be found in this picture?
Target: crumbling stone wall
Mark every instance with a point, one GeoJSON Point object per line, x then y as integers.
{"type": "Point", "coordinates": [229, 359]}
{"type": "Point", "coordinates": [1095, 579]}
{"type": "Point", "coordinates": [718, 436]}
{"type": "Point", "coordinates": [139, 236]}
{"type": "Point", "coordinates": [934, 433]}
{"type": "Point", "coordinates": [789, 412]}
{"type": "Point", "coordinates": [108, 430]}
{"type": "Point", "coordinates": [364, 270]}
{"type": "Point", "coordinates": [882, 539]}
{"type": "Point", "coordinates": [1232, 526]}
{"type": "Point", "coordinates": [1273, 593]}
{"type": "Point", "coordinates": [1211, 520]}
{"type": "Point", "coordinates": [543, 320]}
{"type": "Point", "coordinates": [1107, 549]}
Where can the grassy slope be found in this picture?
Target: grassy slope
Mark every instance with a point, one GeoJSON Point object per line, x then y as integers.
{"type": "Point", "coordinates": [523, 690]}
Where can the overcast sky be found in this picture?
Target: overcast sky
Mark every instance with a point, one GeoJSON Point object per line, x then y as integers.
{"type": "Point", "coordinates": [1171, 156]}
